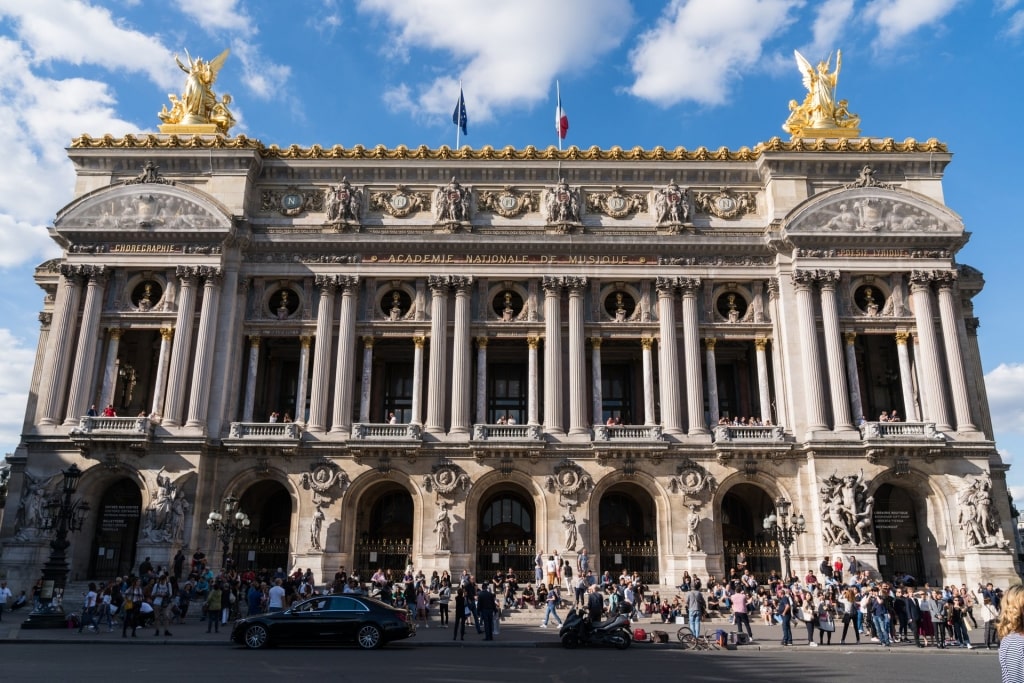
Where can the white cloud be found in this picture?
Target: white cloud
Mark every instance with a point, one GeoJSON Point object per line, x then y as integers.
{"type": "Point", "coordinates": [327, 20]}
{"type": "Point", "coordinates": [263, 77]}
{"type": "Point", "coordinates": [214, 15]}
{"type": "Point", "coordinates": [1005, 388]}
{"type": "Point", "coordinates": [15, 378]}
{"type": "Point", "coordinates": [1015, 25]}
{"type": "Point", "coordinates": [698, 48]}
{"type": "Point", "coordinates": [507, 53]}
{"type": "Point", "coordinates": [897, 19]}
{"type": "Point", "coordinates": [77, 33]}
{"type": "Point", "coordinates": [831, 18]}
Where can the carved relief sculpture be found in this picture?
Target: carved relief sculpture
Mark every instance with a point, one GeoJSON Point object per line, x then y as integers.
{"type": "Point", "coordinates": [846, 510]}
{"type": "Point", "coordinates": [198, 110]}
{"type": "Point", "coordinates": [693, 529]}
{"type": "Point", "coordinates": [562, 204]}
{"type": "Point", "coordinates": [571, 531]}
{"type": "Point", "coordinates": [451, 203]}
{"type": "Point", "coordinates": [164, 520]}
{"type": "Point", "coordinates": [343, 204]}
{"type": "Point", "coordinates": [617, 203]}
{"type": "Point", "coordinates": [979, 519]}
{"type": "Point", "coordinates": [316, 528]}
{"type": "Point", "coordinates": [443, 527]}
{"type": "Point", "coordinates": [670, 205]}
{"type": "Point", "coordinates": [725, 203]}
{"type": "Point", "coordinates": [507, 202]}
{"type": "Point", "coordinates": [399, 203]}
{"type": "Point", "coordinates": [692, 479]}
{"type": "Point", "coordinates": [322, 478]}
{"type": "Point", "coordinates": [820, 114]}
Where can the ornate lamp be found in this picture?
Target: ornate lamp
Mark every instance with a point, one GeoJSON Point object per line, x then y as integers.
{"type": "Point", "coordinates": [227, 524]}
{"type": "Point", "coordinates": [784, 528]}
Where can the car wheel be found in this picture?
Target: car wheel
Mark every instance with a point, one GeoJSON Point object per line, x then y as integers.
{"type": "Point", "coordinates": [570, 641]}
{"type": "Point", "coordinates": [256, 636]}
{"type": "Point", "coordinates": [369, 637]}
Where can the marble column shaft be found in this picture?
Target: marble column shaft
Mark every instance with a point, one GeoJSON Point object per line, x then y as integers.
{"type": "Point", "coordinates": [110, 367]}
{"type": "Point", "coordinates": [206, 344]}
{"type": "Point", "coordinates": [577, 360]}
{"type": "Point", "coordinates": [712, 370]}
{"type": "Point", "coordinates": [595, 380]}
{"type": "Point", "coordinates": [344, 365]}
{"type": "Point", "coordinates": [650, 418]}
{"type": "Point", "coordinates": [532, 380]}
{"type": "Point", "coordinates": [814, 400]}
{"type": "Point", "coordinates": [906, 378]}
{"type": "Point", "coordinates": [181, 350]}
{"type": "Point", "coordinates": [834, 353]}
{"type": "Point", "coordinates": [461, 359]}
{"type": "Point", "coordinates": [553, 355]}
{"type": "Point", "coordinates": [250, 378]}
{"type": "Point", "coordinates": [668, 360]}
{"type": "Point", "coordinates": [366, 381]}
{"type": "Point", "coordinates": [438, 371]}
{"type": "Point", "coordinates": [853, 376]}
{"type": "Point", "coordinates": [162, 368]}
{"type": "Point", "coordinates": [778, 366]}
{"type": "Point", "coordinates": [481, 380]}
{"type": "Point", "coordinates": [303, 380]}
{"type": "Point", "coordinates": [58, 353]}
{"type": "Point", "coordinates": [417, 380]}
{"type": "Point", "coordinates": [932, 375]}
{"type": "Point", "coordinates": [318, 397]}
{"type": "Point", "coordinates": [691, 352]}
{"type": "Point", "coordinates": [954, 355]}
{"type": "Point", "coordinates": [84, 371]}
{"type": "Point", "coordinates": [763, 388]}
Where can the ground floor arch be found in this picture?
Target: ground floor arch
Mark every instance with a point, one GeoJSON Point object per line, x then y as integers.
{"type": "Point", "coordinates": [896, 519]}
{"type": "Point", "coordinates": [266, 545]}
{"type": "Point", "coordinates": [506, 532]}
{"type": "Point", "coordinates": [116, 530]}
{"type": "Point", "coordinates": [743, 509]}
{"type": "Point", "coordinates": [384, 530]}
{"type": "Point", "coordinates": [628, 532]}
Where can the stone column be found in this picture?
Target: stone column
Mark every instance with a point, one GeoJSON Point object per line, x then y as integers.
{"type": "Point", "coordinates": [344, 370]}
{"type": "Point", "coordinates": [365, 385]}
{"type": "Point", "coordinates": [906, 378]}
{"type": "Point", "coordinates": [932, 374]}
{"type": "Point", "coordinates": [668, 363]}
{"type": "Point", "coordinates": [954, 354]}
{"type": "Point", "coordinates": [417, 379]}
{"type": "Point", "coordinates": [438, 354]}
{"type": "Point", "coordinates": [163, 365]}
{"type": "Point", "coordinates": [250, 378]}
{"type": "Point", "coordinates": [779, 374]}
{"type": "Point", "coordinates": [595, 380]}
{"type": "Point", "coordinates": [110, 367]}
{"type": "Point", "coordinates": [85, 369]}
{"type": "Point", "coordinates": [553, 355]}
{"type": "Point", "coordinates": [834, 352]}
{"type": "Point", "coordinates": [853, 376]}
{"type": "Point", "coordinates": [650, 418]}
{"type": "Point", "coordinates": [919, 384]}
{"type": "Point", "coordinates": [691, 352]}
{"type": "Point", "coordinates": [205, 345]}
{"type": "Point", "coordinates": [58, 353]}
{"type": "Point", "coordinates": [481, 380]}
{"type": "Point", "coordinates": [318, 397]}
{"type": "Point", "coordinates": [533, 379]}
{"type": "Point", "coordinates": [577, 360]}
{"type": "Point", "coordinates": [763, 390]}
{"type": "Point", "coordinates": [814, 399]}
{"type": "Point", "coordinates": [461, 364]}
{"type": "Point", "coordinates": [712, 370]}
{"type": "Point", "coordinates": [303, 383]}
{"type": "Point", "coordinates": [181, 350]}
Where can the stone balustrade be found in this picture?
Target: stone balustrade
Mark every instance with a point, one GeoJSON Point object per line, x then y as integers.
{"type": "Point", "coordinates": [508, 433]}
{"type": "Point", "coordinates": [919, 431]}
{"type": "Point", "coordinates": [749, 433]}
{"type": "Point", "coordinates": [370, 431]}
{"type": "Point", "coordinates": [629, 433]}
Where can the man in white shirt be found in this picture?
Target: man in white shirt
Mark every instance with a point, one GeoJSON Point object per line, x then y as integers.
{"type": "Point", "coordinates": [6, 596]}
{"type": "Point", "coordinates": [275, 597]}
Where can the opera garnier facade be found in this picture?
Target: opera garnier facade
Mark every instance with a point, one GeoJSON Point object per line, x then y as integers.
{"type": "Point", "coordinates": [459, 358]}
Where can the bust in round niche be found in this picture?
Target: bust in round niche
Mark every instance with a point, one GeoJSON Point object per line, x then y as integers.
{"type": "Point", "coordinates": [147, 294]}
{"type": "Point", "coordinates": [731, 306]}
{"type": "Point", "coordinates": [507, 305]}
{"type": "Point", "coordinates": [869, 299]}
{"type": "Point", "coordinates": [283, 304]}
{"type": "Point", "coordinates": [395, 304]}
{"type": "Point", "coordinates": [620, 306]}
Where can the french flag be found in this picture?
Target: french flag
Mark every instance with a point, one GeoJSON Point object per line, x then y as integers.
{"type": "Point", "coordinates": [561, 118]}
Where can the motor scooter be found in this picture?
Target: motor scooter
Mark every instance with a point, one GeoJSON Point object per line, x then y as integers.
{"type": "Point", "coordinates": [579, 631]}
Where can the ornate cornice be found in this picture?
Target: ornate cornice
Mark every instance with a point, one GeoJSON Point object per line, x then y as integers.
{"type": "Point", "coordinates": [509, 153]}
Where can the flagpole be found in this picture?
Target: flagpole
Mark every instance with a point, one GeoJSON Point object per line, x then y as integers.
{"type": "Point", "coordinates": [558, 100]}
{"type": "Point", "coordinates": [458, 128]}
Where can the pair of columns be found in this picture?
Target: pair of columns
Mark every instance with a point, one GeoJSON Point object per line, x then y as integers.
{"type": "Point", "coordinates": [668, 362]}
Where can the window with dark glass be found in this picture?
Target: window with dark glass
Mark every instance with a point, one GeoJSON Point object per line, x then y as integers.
{"type": "Point", "coordinates": [398, 392]}
{"type": "Point", "coordinates": [617, 393]}
{"type": "Point", "coordinates": [506, 392]}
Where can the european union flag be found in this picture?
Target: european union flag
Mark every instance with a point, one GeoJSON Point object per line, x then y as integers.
{"type": "Point", "coordinates": [459, 115]}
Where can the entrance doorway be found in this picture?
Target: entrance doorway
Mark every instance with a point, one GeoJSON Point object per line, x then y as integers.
{"type": "Point", "coordinates": [896, 533]}
{"type": "Point", "coordinates": [385, 535]}
{"type": "Point", "coordinates": [628, 531]}
{"type": "Point", "coordinates": [117, 531]}
{"type": "Point", "coordinates": [506, 539]}
{"type": "Point", "coordinates": [269, 506]}
{"type": "Point", "coordinates": [744, 508]}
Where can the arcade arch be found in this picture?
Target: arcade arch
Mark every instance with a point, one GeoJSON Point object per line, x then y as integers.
{"type": "Point", "coordinates": [506, 534]}
{"type": "Point", "coordinates": [116, 533]}
{"type": "Point", "coordinates": [743, 509]}
{"type": "Point", "coordinates": [269, 506]}
{"type": "Point", "coordinates": [384, 530]}
{"type": "Point", "coordinates": [628, 532]}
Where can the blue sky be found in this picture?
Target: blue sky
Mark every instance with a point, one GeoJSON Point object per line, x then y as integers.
{"type": "Point", "coordinates": [643, 73]}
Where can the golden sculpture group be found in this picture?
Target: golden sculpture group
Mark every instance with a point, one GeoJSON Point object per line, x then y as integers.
{"type": "Point", "coordinates": [197, 110]}
{"type": "Point", "coordinates": [820, 115]}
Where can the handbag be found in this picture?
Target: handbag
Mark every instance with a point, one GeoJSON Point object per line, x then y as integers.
{"type": "Point", "coordinates": [825, 623]}
{"type": "Point", "coordinates": [128, 604]}
{"type": "Point", "coordinates": [798, 613]}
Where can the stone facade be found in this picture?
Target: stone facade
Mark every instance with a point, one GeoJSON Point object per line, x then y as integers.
{"type": "Point", "coordinates": [461, 358]}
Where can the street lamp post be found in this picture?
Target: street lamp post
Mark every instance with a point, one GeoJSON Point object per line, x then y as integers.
{"type": "Point", "coordinates": [63, 514]}
{"type": "Point", "coordinates": [227, 525]}
{"type": "Point", "coordinates": [784, 528]}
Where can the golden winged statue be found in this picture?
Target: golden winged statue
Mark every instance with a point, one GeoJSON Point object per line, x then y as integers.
{"type": "Point", "coordinates": [820, 114]}
{"type": "Point", "coordinates": [198, 110]}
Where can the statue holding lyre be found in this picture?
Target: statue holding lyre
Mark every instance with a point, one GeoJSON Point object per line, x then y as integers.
{"type": "Point", "coordinates": [198, 110]}
{"type": "Point", "coordinates": [820, 114]}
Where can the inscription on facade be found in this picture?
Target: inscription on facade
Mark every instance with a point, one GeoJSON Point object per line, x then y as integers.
{"type": "Point", "coordinates": [511, 259]}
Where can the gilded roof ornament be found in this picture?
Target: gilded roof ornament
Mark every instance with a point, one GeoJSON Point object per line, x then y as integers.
{"type": "Point", "coordinates": [820, 115]}
{"type": "Point", "coordinates": [197, 110]}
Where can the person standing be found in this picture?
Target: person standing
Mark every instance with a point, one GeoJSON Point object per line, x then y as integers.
{"type": "Point", "coordinates": [160, 598]}
{"type": "Point", "coordinates": [595, 605]}
{"type": "Point", "coordinates": [1011, 635]}
{"type": "Point", "coordinates": [444, 595]}
{"type": "Point", "coordinates": [552, 602]}
{"type": "Point", "coordinates": [6, 598]}
{"type": "Point", "coordinates": [213, 606]}
{"type": "Point", "coordinates": [990, 615]}
{"type": "Point", "coordinates": [133, 599]}
{"type": "Point", "coordinates": [461, 613]}
{"type": "Point", "coordinates": [179, 564]}
{"type": "Point", "coordinates": [469, 586]}
{"type": "Point", "coordinates": [741, 614]}
{"type": "Point", "coordinates": [695, 608]}
{"type": "Point", "coordinates": [913, 615]}
{"type": "Point", "coordinates": [538, 567]}
{"type": "Point", "coordinates": [938, 606]}
{"type": "Point", "coordinates": [275, 597]}
{"type": "Point", "coordinates": [486, 606]}
{"type": "Point", "coordinates": [89, 609]}
{"type": "Point", "coordinates": [785, 612]}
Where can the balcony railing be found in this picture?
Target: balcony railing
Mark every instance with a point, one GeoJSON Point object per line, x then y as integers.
{"type": "Point", "coordinates": [126, 426]}
{"type": "Point", "coordinates": [507, 433]}
{"type": "Point", "coordinates": [627, 433]}
{"type": "Point", "coordinates": [918, 431]}
{"type": "Point", "coordinates": [747, 433]}
{"type": "Point", "coordinates": [369, 431]}
{"type": "Point", "coordinates": [265, 431]}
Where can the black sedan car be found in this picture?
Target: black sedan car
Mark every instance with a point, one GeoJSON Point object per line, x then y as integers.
{"type": "Point", "coordinates": [326, 620]}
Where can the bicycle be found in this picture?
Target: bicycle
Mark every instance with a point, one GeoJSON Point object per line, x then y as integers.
{"type": "Point", "coordinates": [704, 641]}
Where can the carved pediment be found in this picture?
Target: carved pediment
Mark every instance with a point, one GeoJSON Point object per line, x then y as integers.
{"type": "Point", "coordinates": [873, 209]}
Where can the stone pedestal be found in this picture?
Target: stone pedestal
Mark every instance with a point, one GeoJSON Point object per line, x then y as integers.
{"type": "Point", "coordinates": [867, 558]}
{"type": "Point", "coordinates": [438, 561]}
{"type": "Point", "coordinates": [162, 555]}
{"type": "Point", "coordinates": [314, 560]}
{"type": "Point", "coordinates": [982, 565]}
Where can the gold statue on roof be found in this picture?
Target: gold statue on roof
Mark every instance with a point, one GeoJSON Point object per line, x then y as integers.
{"type": "Point", "coordinates": [197, 110]}
{"type": "Point", "coordinates": [820, 115]}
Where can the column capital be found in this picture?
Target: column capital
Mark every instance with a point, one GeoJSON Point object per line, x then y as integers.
{"type": "Point", "coordinates": [803, 279]}
{"type": "Point", "coordinates": [116, 333]}
{"type": "Point", "coordinates": [761, 343]}
{"type": "Point", "coordinates": [419, 341]}
{"type": "Point", "coordinates": [327, 283]}
{"type": "Point", "coordinates": [945, 279]}
{"type": "Point", "coordinates": [972, 325]}
{"type": "Point", "coordinates": [827, 279]}
{"type": "Point", "coordinates": [576, 284]}
{"type": "Point", "coordinates": [666, 286]}
{"type": "Point", "coordinates": [533, 342]}
{"type": "Point", "coordinates": [902, 338]}
{"type": "Point", "coordinates": [368, 341]}
{"type": "Point", "coordinates": [552, 285]}
{"type": "Point", "coordinates": [85, 272]}
{"type": "Point", "coordinates": [481, 342]}
{"type": "Point", "coordinates": [461, 283]}
{"type": "Point", "coordinates": [921, 278]}
{"type": "Point", "coordinates": [45, 318]}
{"type": "Point", "coordinates": [305, 341]}
{"type": "Point", "coordinates": [850, 338]}
{"type": "Point", "coordinates": [210, 274]}
{"type": "Point", "coordinates": [595, 342]}
{"type": "Point", "coordinates": [646, 343]}
{"type": "Point", "coordinates": [348, 283]}
{"type": "Point", "coordinates": [254, 341]}
{"type": "Point", "coordinates": [187, 274]}
{"type": "Point", "coordinates": [689, 285]}
{"type": "Point", "coordinates": [709, 343]}
{"type": "Point", "coordinates": [439, 284]}
{"type": "Point", "coordinates": [167, 333]}
{"type": "Point", "coordinates": [773, 288]}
